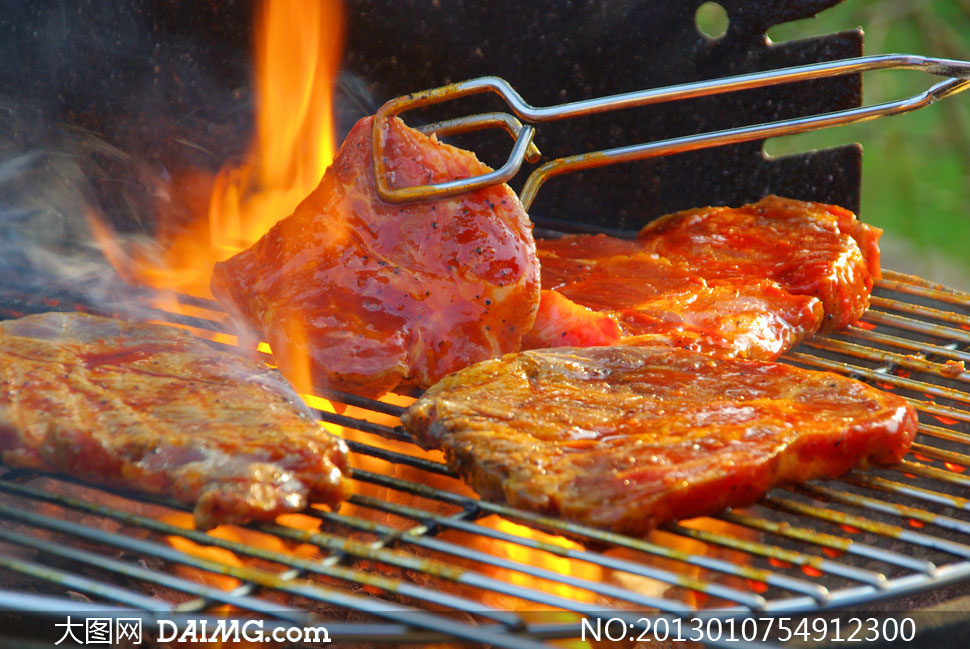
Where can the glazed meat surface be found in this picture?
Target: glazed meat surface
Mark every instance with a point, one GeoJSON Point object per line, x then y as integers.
{"type": "Point", "coordinates": [361, 295]}
{"type": "Point", "coordinates": [151, 408]}
{"type": "Point", "coordinates": [656, 301]}
{"type": "Point", "coordinates": [808, 248]}
{"type": "Point", "coordinates": [749, 282]}
{"type": "Point", "coordinates": [626, 438]}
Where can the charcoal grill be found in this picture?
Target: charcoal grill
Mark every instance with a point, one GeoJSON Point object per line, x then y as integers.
{"type": "Point", "coordinates": [415, 558]}
{"type": "Point", "coordinates": [418, 559]}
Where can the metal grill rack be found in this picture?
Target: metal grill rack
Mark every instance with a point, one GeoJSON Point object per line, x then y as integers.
{"type": "Point", "coordinates": [415, 557]}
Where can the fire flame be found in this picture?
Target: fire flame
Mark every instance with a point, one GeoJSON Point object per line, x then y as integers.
{"type": "Point", "coordinates": [298, 50]}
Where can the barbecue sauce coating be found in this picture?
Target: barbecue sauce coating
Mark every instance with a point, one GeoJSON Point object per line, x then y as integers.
{"type": "Point", "coordinates": [375, 294]}
{"type": "Point", "coordinates": [626, 438]}
{"type": "Point", "coordinates": [570, 324]}
{"type": "Point", "coordinates": [151, 408]}
{"type": "Point", "coordinates": [808, 248]}
{"type": "Point", "coordinates": [748, 282]}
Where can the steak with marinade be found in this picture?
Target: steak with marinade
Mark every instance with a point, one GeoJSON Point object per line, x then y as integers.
{"type": "Point", "coordinates": [152, 408]}
{"type": "Point", "coordinates": [358, 294]}
{"type": "Point", "coordinates": [626, 438]}
{"type": "Point", "coordinates": [809, 248]}
{"type": "Point", "coordinates": [746, 282]}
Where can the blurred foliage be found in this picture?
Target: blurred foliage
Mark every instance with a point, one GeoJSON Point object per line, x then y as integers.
{"type": "Point", "coordinates": [916, 167]}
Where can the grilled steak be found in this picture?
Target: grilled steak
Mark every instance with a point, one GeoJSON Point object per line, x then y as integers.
{"type": "Point", "coordinates": [748, 282]}
{"type": "Point", "coordinates": [655, 301]}
{"type": "Point", "coordinates": [151, 408]}
{"type": "Point", "coordinates": [626, 438]}
{"type": "Point", "coordinates": [808, 248]}
{"type": "Point", "coordinates": [560, 322]}
{"type": "Point", "coordinates": [374, 294]}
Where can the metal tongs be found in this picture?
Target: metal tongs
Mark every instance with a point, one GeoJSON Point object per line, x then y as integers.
{"type": "Point", "coordinates": [958, 73]}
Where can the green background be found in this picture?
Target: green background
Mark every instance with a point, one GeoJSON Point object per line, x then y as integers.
{"type": "Point", "coordinates": [916, 167]}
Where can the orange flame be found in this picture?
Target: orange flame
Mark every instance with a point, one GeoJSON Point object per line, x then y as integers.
{"type": "Point", "coordinates": [298, 52]}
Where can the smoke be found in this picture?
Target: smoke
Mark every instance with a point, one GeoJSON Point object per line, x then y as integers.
{"type": "Point", "coordinates": [44, 193]}
{"type": "Point", "coordinates": [53, 180]}
{"type": "Point", "coordinates": [102, 106]}
{"type": "Point", "coordinates": [121, 112]}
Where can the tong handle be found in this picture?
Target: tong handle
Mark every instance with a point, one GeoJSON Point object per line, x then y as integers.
{"type": "Point", "coordinates": [957, 71]}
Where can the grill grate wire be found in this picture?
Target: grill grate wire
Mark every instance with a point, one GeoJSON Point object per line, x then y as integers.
{"type": "Point", "coordinates": [416, 558]}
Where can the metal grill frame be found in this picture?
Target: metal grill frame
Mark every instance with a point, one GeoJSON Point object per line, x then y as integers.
{"type": "Point", "coordinates": [915, 503]}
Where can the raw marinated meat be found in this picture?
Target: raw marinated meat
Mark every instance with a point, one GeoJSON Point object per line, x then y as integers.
{"type": "Point", "coordinates": [570, 324]}
{"type": "Point", "coordinates": [151, 408]}
{"type": "Point", "coordinates": [656, 301]}
{"type": "Point", "coordinates": [808, 248]}
{"type": "Point", "coordinates": [626, 438]}
{"type": "Point", "coordinates": [361, 295]}
{"type": "Point", "coordinates": [749, 282]}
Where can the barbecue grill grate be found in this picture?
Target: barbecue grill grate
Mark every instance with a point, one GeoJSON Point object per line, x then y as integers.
{"type": "Point", "coordinates": [414, 557]}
